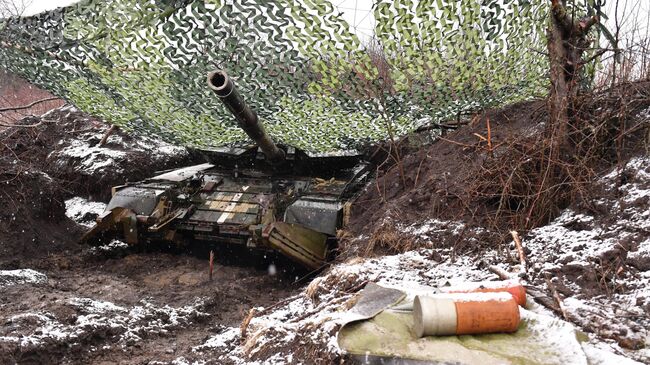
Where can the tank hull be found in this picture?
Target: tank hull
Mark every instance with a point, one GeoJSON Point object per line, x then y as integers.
{"type": "Point", "coordinates": [296, 216]}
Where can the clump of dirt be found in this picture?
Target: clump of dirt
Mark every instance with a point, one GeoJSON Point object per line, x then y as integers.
{"type": "Point", "coordinates": [48, 159]}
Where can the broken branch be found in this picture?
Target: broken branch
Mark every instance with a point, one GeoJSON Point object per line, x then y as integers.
{"type": "Point", "coordinates": [557, 298]}
{"type": "Point", "coordinates": [14, 108]}
{"type": "Point", "coordinates": [107, 134]}
{"type": "Point", "coordinates": [502, 274]}
{"type": "Point", "coordinates": [520, 250]}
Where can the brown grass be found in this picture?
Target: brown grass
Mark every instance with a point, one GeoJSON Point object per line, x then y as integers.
{"type": "Point", "coordinates": [387, 239]}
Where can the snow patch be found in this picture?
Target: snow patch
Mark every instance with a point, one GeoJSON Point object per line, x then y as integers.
{"type": "Point", "coordinates": [226, 338]}
{"type": "Point", "coordinates": [21, 276]}
{"type": "Point", "coordinates": [113, 246]}
{"type": "Point", "coordinates": [90, 158]}
{"type": "Point", "coordinates": [128, 325]}
{"type": "Point", "coordinates": [83, 211]}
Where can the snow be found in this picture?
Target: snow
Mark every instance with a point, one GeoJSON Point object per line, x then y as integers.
{"type": "Point", "coordinates": [599, 354]}
{"type": "Point", "coordinates": [90, 158]}
{"type": "Point", "coordinates": [113, 246]}
{"type": "Point", "coordinates": [79, 209]}
{"type": "Point", "coordinates": [560, 335]}
{"type": "Point", "coordinates": [221, 340]}
{"type": "Point", "coordinates": [474, 297]}
{"type": "Point", "coordinates": [432, 226]}
{"type": "Point", "coordinates": [607, 248]}
{"type": "Point", "coordinates": [21, 276]}
{"type": "Point", "coordinates": [130, 325]}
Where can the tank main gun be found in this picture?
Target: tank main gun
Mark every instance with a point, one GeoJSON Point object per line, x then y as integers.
{"type": "Point", "coordinates": [224, 87]}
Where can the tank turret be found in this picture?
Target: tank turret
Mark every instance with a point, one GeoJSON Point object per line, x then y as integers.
{"type": "Point", "coordinates": [224, 87]}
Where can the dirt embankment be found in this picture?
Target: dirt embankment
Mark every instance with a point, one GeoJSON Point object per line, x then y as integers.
{"type": "Point", "coordinates": [49, 159]}
{"type": "Point", "coordinates": [468, 190]}
{"type": "Point", "coordinates": [486, 173]}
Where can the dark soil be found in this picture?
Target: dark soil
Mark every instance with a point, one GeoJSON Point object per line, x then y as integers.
{"type": "Point", "coordinates": [35, 182]}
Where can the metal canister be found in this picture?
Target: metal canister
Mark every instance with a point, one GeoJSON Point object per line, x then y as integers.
{"type": "Point", "coordinates": [465, 314]}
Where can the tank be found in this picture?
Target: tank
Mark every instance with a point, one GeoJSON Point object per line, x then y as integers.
{"type": "Point", "coordinates": [266, 197]}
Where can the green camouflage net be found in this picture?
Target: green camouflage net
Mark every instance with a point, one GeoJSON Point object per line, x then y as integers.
{"type": "Point", "coordinates": [143, 64]}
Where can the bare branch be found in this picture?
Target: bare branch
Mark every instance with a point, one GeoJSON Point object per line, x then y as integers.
{"type": "Point", "coordinates": [14, 108]}
{"type": "Point", "coordinates": [9, 8]}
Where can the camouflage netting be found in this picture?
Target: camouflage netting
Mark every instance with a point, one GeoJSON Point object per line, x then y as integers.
{"type": "Point", "coordinates": [143, 64]}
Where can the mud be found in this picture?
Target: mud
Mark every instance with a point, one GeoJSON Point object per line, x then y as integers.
{"type": "Point", "coordinates": [106, 304]}
{"type": "Point", "coordinates": [171, 306]}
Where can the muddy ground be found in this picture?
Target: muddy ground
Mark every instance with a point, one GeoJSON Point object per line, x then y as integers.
{"type": "Point", "coordinates": [166, 296]}
{"type": "Point", "coordinates": [168, 305]}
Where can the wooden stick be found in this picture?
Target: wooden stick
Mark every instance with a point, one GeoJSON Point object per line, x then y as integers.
{"type": "Point", "coordinates": [107, 134]}
{"type": "Point", "coordinates": [557, 298]}
{"type": "Point", "coordinates": [489, 136]}
{"type": "Point", "coordinates": [502, 274]}
{"type": "Point", "coordinates": [244, 325]}
{"type": "Point", "coordinates": [211, 263]}
{"type": "Point", "coordinates": [520, 250]}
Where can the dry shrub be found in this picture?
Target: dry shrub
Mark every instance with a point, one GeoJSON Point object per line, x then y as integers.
{"type": "Point", "coordinates": [337, 281]}
{"type": "Point", "coordinates": [387, 239]}
{"type": "Point", "coordinates": [526, 184]}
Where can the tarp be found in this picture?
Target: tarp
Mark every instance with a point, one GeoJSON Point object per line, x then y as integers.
{"type": "Point", "coordinates": [388, 338]}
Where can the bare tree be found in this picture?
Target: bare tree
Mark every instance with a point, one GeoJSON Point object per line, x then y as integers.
{"type": "Point", "coordinates": [9, 8]}
{"type": "Point", "coordinates": [567, 42]}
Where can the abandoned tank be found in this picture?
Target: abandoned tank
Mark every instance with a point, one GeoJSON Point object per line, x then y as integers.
{"type": "Point", "coordinates": [268, 197]}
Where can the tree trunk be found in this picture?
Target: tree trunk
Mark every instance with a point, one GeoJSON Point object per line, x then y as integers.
{"type": "Point", "coordinates": [567, 41]}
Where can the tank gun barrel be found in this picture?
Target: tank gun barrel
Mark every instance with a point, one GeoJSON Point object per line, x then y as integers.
{"type": "Point", "coordinates": [224, 87]}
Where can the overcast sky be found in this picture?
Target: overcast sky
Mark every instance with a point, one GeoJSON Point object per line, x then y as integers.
{"type": "Point", "coordinates": [38, 6]}
{"type": "Point", "coordinates": [632, 13]}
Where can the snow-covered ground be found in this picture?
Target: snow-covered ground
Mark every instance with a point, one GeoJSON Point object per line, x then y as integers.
{"type": "Point", "coordinates": [33, 329]}
{"type": "Point", "coordinates": [93, 158]}
{"type": "Point", "coordinates": [83, 211]}
{"type": "Point", "coordinates": [21, 276]}
{"type": "Point", "coordinates": [82, 149]}
{"type": "Point", "coordinates": [321, 309]}
{"type": "Point", "coordinates": [569, 251]}
{"type": "Point", "coordinates": [609, 248]}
